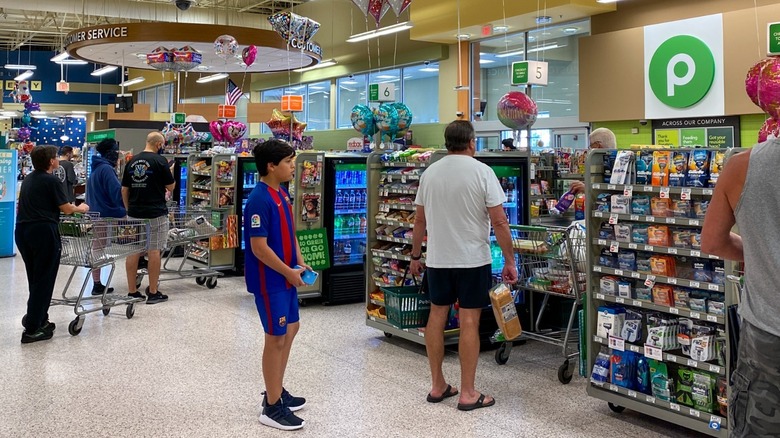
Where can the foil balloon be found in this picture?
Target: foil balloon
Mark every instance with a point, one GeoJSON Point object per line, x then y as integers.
{"type": "Point", "coordinates": [249, 54]}
{"type": "Point", "coordinates": [404, 118]}
{"type": "Point", "coordinates": [363, 120]}
{"type": "Point", "coordinates": [387, 121]}
{"type": "Point", "coordinates": [215, 127]}
{"type": "Point", "coordinates": [362, 5]}
{"type": "Point", "coordinates": [288, 25]}
{"type": "Point", "coordinates": [160, 59]}
{"type": "Point", "coordinates": [311, 28]}
{"type": "Point", "coordinates": [769, 131]}
{"type": "Point", "coordinates": [225, 46]}
{"type": "Point", "coordinates": [26, 119]}
{"type": "Point", "coordinates": [399, 6]}
{"type": "Point", "coordinates": [751, 80]}
{"type": "Point", "coordinates": [232, 130]}
{"type": "Point", "coordinates": [769, 88]}
{"type": "Point", "coordinates": [279, 124]}
{"type": "Point", "coordinates": [297, 128]}
{"type": "Point", "coordinates": [378, 9]}
{"type": "Point", "coordinates": [186, 58]}
{"type": "Point", "coordinates": [30, 106]}
{"type": "Point", "coordinates": [517, 111]}
{"type": "Point", "coordinates": [23, 133]}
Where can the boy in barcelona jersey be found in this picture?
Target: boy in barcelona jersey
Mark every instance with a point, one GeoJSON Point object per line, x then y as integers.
{"type": "Point", "coordinates": [273, 270]}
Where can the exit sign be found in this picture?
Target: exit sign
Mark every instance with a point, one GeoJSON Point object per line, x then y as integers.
{"type": "Point", "coordinates": [178, 118]}
{"type": "Point", "coordinates": [529, 73]}
{"type": "Point", "coordinates": [773, 39]}
{"type": "Point", "coordinates": [381, 92]}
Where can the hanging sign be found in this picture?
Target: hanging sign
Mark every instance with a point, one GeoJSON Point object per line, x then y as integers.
{"type": "Point", "coordinates": [7, 201]}
{"type": "Point", "coordinates": [381, 92]}
{"type": "Point", "coordinates": [773, 39]}
{"type": "Point", "coordinates": [529, 73]}
{"type": "Point", "coordinates": [292, 103]}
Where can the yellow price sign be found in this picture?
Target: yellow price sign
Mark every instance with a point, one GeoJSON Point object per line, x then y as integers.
{"type": "Point", "coordinates": [35, 85]}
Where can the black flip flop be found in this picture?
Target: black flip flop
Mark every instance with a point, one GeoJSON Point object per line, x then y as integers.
{"type": "Point", "coordinates": [447, 393]}
{"type": "Point", "coordinates": [480, 403]}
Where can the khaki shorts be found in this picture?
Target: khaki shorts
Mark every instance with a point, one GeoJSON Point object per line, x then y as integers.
{"type": "Point", "coordinates": [158, 233]}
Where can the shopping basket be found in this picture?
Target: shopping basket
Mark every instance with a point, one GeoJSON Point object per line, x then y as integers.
{"type": "Point", "coordinates": [407, 306]}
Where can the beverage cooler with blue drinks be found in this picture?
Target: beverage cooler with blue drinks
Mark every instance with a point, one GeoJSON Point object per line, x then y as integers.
{"type": "Point", "coordinates": [247, 179]}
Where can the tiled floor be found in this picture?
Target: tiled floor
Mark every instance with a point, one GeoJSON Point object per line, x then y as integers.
{"type": "Point", "coordinates": [191, 368]}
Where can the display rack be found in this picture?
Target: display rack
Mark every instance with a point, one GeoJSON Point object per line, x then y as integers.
{"type": "Point", "coordinates": [390, 208]}
{"type": "Point", "coordinates": [552, 173]}
{"type": "Point", "coordinates": [669, 295]}
{"type": "Point", "coordinates": [308, 184]}
{"type": "Point", "coordinates": [211, 186]}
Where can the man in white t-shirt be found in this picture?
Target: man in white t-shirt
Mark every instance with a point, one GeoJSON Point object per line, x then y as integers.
{"type": "Point", "coordinates": [457, 201]}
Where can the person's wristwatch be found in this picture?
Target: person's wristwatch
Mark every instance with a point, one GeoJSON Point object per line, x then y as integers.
{"type": "Point", "coordinates": [416, 257]}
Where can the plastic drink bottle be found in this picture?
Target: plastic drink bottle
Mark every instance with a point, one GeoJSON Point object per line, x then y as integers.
{"type": "Point", "coordinates": [337, 226]}
{"type": "Point", "coordinates": [339, 198]}
{"type": "Point", "coordinates": [564, 203]}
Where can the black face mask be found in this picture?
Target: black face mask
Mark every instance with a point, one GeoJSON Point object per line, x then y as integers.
{"type": "Point", "coordinates": [112, 157]}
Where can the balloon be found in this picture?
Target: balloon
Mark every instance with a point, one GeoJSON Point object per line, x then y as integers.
{"type": "Point", "coordinates": [363, 120]}
{"type": "Point", "coordinates": [517, 111]}
{"type": "Point", "coordinates": [26, 119]}
{"type": "Point", "coordinates": [249, 54]}
{"type": "Point", "coordinates": [769, 88]}
{"type": "Point", "coordinates": [311, 28]}
{"type": "Point", "coordinates": [293, 26]}
{"type": "Point", "coordinates": [215, 127]}
{"type": "Point", "coordinates": [387, 120]}
{"type": "Point", "coordinates": [769, 131]}
{"type": "Point", "coordinates": [23, 133]}
{"type": "Point", "coordinates": [751, 80]}
{"type": "Point", "coordinates": [225, 46]}
{"type": "Point", "coordinates": [160, 59]}
{"type": "Point", "coordinates": [362, 5]}
{"type": "Point", "coordinates": [286, 127]}
{"type": "Point", "coordinates": [186, 58]}
{"type": "Point", "coordinates": [399, 6]}
{"type": "Point", "coordinates": [31, 106]}
{"type": "Point", "coordinates": [232, 130]}
{"type": "Point", "coordinates": [378, 9]}
{"type": "Point", "coordinates": [404, 118]}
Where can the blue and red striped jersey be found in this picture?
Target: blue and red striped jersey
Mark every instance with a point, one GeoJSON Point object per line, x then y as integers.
{"type": "Point", "coordinates": [268, 214]}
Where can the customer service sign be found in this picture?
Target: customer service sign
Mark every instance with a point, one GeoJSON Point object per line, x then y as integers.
{"type": "Point", "coordinates": [684, 68]}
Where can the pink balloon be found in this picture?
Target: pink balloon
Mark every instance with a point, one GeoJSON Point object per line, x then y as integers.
{"type": "Point", "coordinates": [769, 88]}
{"type": "Point", "coordinates": [216, 130]}
{"type": "Point", "coordinates": [769, 131]}
{"type": "Point", "coordinates": [517, 111]}
{"type": "Point", "coordinates": [378, 9]}
{"type": "Point", "coordinates": [751, 80]}
{"type": "Point", "coordinates": [232, 130]}
{"type": "Point", "coordinates": [249, 54]}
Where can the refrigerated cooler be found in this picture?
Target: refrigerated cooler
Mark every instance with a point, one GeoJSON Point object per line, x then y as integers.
{"type": "Point", "coordinates": [180, 173]}
{"type": "Point", "coordinates": [247, 180]}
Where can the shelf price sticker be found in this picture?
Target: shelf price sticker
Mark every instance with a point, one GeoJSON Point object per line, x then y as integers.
{"type": "Point", "coordinates": [632, 394]}
{"type": "Point", "coordinates": [628, 191]}
{"type": "Point", "coordinates": [713, 286]}
{"type": "Point", "coordinates": [696, 315]}
{"type": "Point", "coordinates": [650, 218]}
{"type": "Point", "coordinates": [648, 188]}
{"type": "Point", "coordinates": [599, 296]}
{"type": "Point", "coordinates": [712, 318]}
{"type": "Point", "coordinates": [672, 251]}
{"type": "Point", "coordinates": [694, 413]}
{"type": "Point", "coordinates": [403, 179]}
{"type": "Point", "coordinates": [653, 352]}
{"type": "Point", "coordinates": [614, 247]}
{"type": "Point", "coordinates": [611, 187]}
{"type": "Point", "coordinates": [674, 407]}
{"type": "Point", "coordinates": [614, 388]}
{"type": "Point", "coordinates": [685, 194]}
{"type": "Point", "coordinates": [693, 363]}
{"type": "Point", "coordinates": [707, 192]}
{"type": "Point", "coordinates": [674, 310]}
{"type": "Point", "coordinates": [714, 369]}
{"type": "Point", "coordinates": [650, 281]}
{"type": "Point", "coordinates": [715, 422]}
{"type": "Point", "coordinates": [636, 303]}
{"type": "Point", "coordinates": [664, 193]}
{"type": "Point", "coordinates": [672, 280]}
{"type": "Point", "coordinates": [613, 218]}
{"type": "Point", "coordinates": [650, 399]}
{"type": "Point", "coordinates": [616, 343]}
{"type": "Point", "coordinates": [695, 284]}
{"type": "Point", "coordinates": [695, 253]}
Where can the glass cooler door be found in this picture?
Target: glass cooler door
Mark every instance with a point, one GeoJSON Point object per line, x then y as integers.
{"type": "Point", "coordinates": [350, 221]}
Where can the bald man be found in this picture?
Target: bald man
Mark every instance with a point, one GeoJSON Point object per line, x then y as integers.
{"type": "Point", "coordinates": [146, 179]}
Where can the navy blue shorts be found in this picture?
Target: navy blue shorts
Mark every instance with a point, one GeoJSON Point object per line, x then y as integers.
{"type": "Point", "coordinates": [277, 309]}
{"type": "Point", "coordinates": [469, 286]}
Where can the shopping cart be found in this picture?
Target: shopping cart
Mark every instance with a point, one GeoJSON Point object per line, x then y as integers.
{"type": "Point", "coordinates": [191, 230]}
{"type": "Point", "coordinates": [551, 261]}
{"type": "Point", "coordinates": [92, 242]}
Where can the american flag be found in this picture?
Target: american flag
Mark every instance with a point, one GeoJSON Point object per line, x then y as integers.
{"type": "Point", "coordinates": [233, 93]}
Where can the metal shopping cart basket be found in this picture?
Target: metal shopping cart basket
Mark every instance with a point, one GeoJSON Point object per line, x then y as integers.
{"type": "Point", "coordinates": [92, 242]}
{"type": "Point", "coordinates": [191, 230]}
{"type": "Point", "coordinates": [551, 261]}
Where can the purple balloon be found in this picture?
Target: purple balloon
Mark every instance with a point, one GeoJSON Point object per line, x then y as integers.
{"type": "Point", "coordinates": [32, 106]}
{"type": "Point", "coordinates": [24, 133]}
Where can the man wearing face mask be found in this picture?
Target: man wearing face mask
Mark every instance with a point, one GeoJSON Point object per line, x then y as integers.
{"type": "Point", "coordinates": [104, 194]}
{"type": "Point", "coordinates": [146, 179]}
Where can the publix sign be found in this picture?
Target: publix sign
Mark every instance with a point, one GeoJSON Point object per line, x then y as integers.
{"type": "Point", "coordinates": [684, 68]}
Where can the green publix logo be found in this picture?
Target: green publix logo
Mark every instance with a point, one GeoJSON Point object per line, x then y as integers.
{"type": "Point", "coordinates": [681, 71]}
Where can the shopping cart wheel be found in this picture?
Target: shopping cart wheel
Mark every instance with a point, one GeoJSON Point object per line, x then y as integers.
{"type": "Point", "coordinates": [388, 335]}
{"type": "Point", "coordinates": [74, 328]}
{"type": "Point", "coordinates": [565, 373]}
{"type": "Point", "coordinates": [106, 311]}
{"type": "Point", "coordinates": [616, 409]}
{"type": "Point", "coordinates": [130, 311]}
{"type": "Point", "coordinates": [211, 283]}
{"type": "Point", "coordinates": [200, 280]}
{"type": "Point", "coordinates": [502, 354]}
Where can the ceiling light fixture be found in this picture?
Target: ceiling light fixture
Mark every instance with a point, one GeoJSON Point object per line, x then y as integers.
{"type": "Point", "coordinates": [399, 27]}
{"type": "Point", "coordinates": [20, 67]}
{"type": "Point", "coordinates": [211, 78]}
{"type": "Point", "coordinates": [60, 56]}
{"type": "Point", "coordinates": [322, 64]}
{"type": "Point", "coordinates": [429, 69]}
{"type": "Point", "coordinates": [544, 19]}
{"type": "Point", "coordinates": [71, 62]}
{"type": "Point", "coordinates": [463, 36]}
{"type": "Point", "coordinates": [133, 81]}
{"type": "Point", "coordinates": [23, 76]}
{"type": "Point", "coordinates": [547, 47]}
{"type": "Point", "coordinates": [103, 70]}
{"type": "Point", "coordinates": [570, 30]}
{"type": "Point", "coordinates": [606, 1]}
{"type": "Point", "coordinates": [486, 61]}
{"type": "Point", "coordinates": [500, 28]}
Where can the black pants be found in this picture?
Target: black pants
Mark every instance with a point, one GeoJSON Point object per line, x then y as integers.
{"type": "Point", "coordinates": [40, 247]}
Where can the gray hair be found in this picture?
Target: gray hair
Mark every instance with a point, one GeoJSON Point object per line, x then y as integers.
{"type": "Point", "coordinates": [604, 137]}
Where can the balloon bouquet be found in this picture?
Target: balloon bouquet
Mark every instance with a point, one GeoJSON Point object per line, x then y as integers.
{"type": "Point", "coordinates": [391, 120]}
{"type": "Point", "coordinates": [378, 8]}
{"type": "Point", "coordinates": [517, 111]}
{"type": "Point", "coordinates": [290, 129]}
{"type": "Point", "coordinates": [223, 131]}
{"type": "Point", "coordinates": [762, 85]}
{"type": "Point", "coordinates": [21, 94]}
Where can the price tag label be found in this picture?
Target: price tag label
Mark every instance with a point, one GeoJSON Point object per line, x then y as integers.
{"type": "Point", "coordinates": [715, 422]}
{"type": "Point", "coordinates": [712, 318]}
{"type": "Point", "coordinates": [650, 281]}
{"type": "Point", "coordinates": [674, 407]}
{"type": "Point", "coordinates": [673, 251]}
{"type": "Point", "coordinates": [602, 242]}
{"type": "Point", "coordinates": [617, 343]}
{"type": "Point", "coordinates": [614, 247]}
{"type": "Point", "coordinates": [387, 192]}
{"type": "Point", "coordinates": [620, 300]}
{"type": "Point", "coordinates": [672, 280]}
{"type": "Point", "coordinates": [650, 399]}
{"type": "Point", "coordinates": [671, 358]}
{"type": "Point", "coordinates": [372, 318]}
{"type": "Point", "coordinates": [696, 315]}
{"type": "Point", "coordinates": [636, 303]}
{"type": "Point", "coordinates": [597, 269]}
{"type": "Point", "coordinates": [635, 274]}
{"type": "Point", "coordinates": [714, 369]}
{"type": "Point", "coordinates": [613, 218]}
{"type": "Point", "coordinates": [712, 286]}
{"type": "Point", "coordinates": [648, 188]}
{"type": "Point", "coordinates": [634, 217]}
{"type": "Point", "coordinates": [632, 394]}
{"type": "Point", "coordinates": [707, 192]}
{"type": "Point", "coordinates": [694, 222]}
{"type": "Point", "coordinates": [628, 191]}
{"type": "Point", "coordinates": [650, 218]}
{"type": "Point", "coordinates": [613, 388]}
{"type": "Point", "coordinates": [671, 220]}
{"type": "Point", "coordinates": [389, 177]}
{"type": "Point", "coordinates": [695, 253]}
{"type": "Point", "coordinates": [632, 246]}
{"type": "Point", "coordinates": [664, 193]}
{"type": "Point", "coordinates": [695, 284]}
{"type": "Point", "coordinates": [695, 413]}
{"type": "Point", "coordinates": [685, 194]}
{"type": "Point", "coordinates": [403, 179]}
{"type": "Point", "coordinates": [611, 187]}
{"type": "Point", "coordinates": [619, 272]}
{"type": "Point", "coordinates": [693, 363]}
{"type": "Point", "coordinates": [674, 311]}
{"type": "Point", "coordinates": [599, 296]}
{"type": "Point", "coordinates": [598, 214]}
{"type": "Point", "coordinates": [653, 352]}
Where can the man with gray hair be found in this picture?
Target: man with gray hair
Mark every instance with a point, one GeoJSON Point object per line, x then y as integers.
{"type": "Point", "coordinates": [600, 138]}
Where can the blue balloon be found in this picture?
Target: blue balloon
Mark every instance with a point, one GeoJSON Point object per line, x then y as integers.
{"type": "Point", "coordinates": [387, 121]}
{"type": "Point", "coordinates": [363, 120]}
{"type": "Point", "coordinates": [404, 118]}
{"type": "Point", "coordinates": [26, 119]}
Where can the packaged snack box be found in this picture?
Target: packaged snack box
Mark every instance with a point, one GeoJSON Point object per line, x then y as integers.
{"type": "Point", "coordinates": [698, 169]}
{"type": "Point", "coordinates": [505, 312]}
{"type": "Point", "coordinates": [678, 169]}
{"type": "Point", "coordinates": [662, 160]}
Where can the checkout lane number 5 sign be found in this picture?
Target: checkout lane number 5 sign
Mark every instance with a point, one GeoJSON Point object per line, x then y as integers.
{"type": "Point", "coordinates": [684, 68]}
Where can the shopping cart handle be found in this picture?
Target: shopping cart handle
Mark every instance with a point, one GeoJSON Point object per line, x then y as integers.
{"type": "Point", "coordinates": [529, 228]}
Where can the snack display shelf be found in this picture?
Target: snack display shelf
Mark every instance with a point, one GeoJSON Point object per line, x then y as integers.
{"type": "Point", "coordinates": [680, 311]}
{"type": "Point", "coordinates": [404, 164]}
{"type": "Point", "coordinates": [704, 422]}
{"type": "Point", "coordinates": [397, 191]}
{"type": "Point", "coordinates": [388, 271]}
{"type": "Point", "coordinates": [392, 255]}
{"type": "Point", "coordinates": [377, 302]}
{"type": "Point", "coordinates": [349, 211]}
{"type": "Point", "coordinates": [397, 240]}
{"type": "Point", "coordinates": [661, 279]}
{"type": "Point", "coordinates": [641, 188]}
{"type": "Point", "coordinates": [655, 249]}
{"type": "Point", "coordinates": [195, 172]}
{"type": "Point", "coordinates": [667, 357]}
{"type": "Point", "coordinates": [395, 223]}
{"type": "Point", "coordinates": [201, 187]}
{"type": "Point", "coordinates": [390, 177]}
{"type": "Point", "coordinates": [650, 219]}
{"type": "Point", "coordinates": [384, 206]}
{"type": "Point", "coordinates": [201, 197]}
{"type": "Point", "coordinates": [352, 186]}
{"type": "Point", "coordinates": [571, 176]}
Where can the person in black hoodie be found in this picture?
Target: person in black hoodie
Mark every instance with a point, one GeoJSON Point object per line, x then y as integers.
{"type": "Point", "coordinates": [104, 196]}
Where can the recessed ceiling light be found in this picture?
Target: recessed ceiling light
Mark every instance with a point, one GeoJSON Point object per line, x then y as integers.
{"type": "Point", "coordinates": [570, 29]}
{"type": "Point", "coordinates": [463, 36]}
{"type": "Point", "coordinates": [500, 28]}
{"type": "Point", "coordinates": [544, 19]}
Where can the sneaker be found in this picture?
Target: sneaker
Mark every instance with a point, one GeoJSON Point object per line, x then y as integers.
{"type": "Point", "coordinates": [100, 289]}
{"type": "Point", "coordinates": [49, 327]}
{"type": "Point", "coordinates": [39, 335]}
{"type": "Point", "coordinates": [137, 295]}
{"type": "Point", "coordinates": [292, 402]}
{"type": "Point", "coordinates": [156, 298]}
{"type": "Point", "coordinates": [280, 417]}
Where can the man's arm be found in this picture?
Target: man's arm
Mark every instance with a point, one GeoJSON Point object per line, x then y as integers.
{"type": "Point", "coordinates": [69, 208]}
{"type": "Point", "coordinates": [265, 254]}
{"type": "Point", "coordinates": [716, 235]}
{"type": "Point", "coordinates": [418, 233]}
{"type": "Point", "coordinates": [126, 197]}
{"type": "Point", "coordinates": [70, 172]}
{"type": "Point", "coordinates": [504, 237]}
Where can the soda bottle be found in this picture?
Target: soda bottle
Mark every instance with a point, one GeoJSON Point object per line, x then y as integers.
{"type": "Point", "coordinates": [351, 199]}
{"type": "Point", "coordinates": [339, 199]}
{"type": "Point", "coordinates": [350, 224]}
{"type": "Point", "coordinates": [337, 224]}
{"type": "Point", "coordinates": [363, 199]}
{"type": "Point", "coordinates": [363, 224]}
{"type": "Point", "coordinates": [347, 249]}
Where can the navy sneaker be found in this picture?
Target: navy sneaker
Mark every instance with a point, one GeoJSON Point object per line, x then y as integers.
{"type": "Point", "coordinates": [156, 298]}
{"type": "Point", "coordinates": [292, 402]}
{"type": "Point", "coordinates": [137, 295]}
{"type": "Point", "coordinates": [279, 416]}
{"type": "Point", "coordinates": [100, 289]}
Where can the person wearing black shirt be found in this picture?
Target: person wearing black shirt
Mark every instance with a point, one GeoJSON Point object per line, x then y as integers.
{"type": "Point", "coordinates": [146, 179]}
{"type": "Point", "coordinates": [41, 200]}
{"type": "Point", "coordinates": [66, 173]}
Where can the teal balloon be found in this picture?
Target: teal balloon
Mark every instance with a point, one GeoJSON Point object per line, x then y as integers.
{"type": "Point", "coordinates": [404, 118]}
{"type": "Point", "coordinates": [387, 120]}
{"type": "Point", "coordinates": [363, 120]}
{"type": "Point", "coordinates": [26, 119]}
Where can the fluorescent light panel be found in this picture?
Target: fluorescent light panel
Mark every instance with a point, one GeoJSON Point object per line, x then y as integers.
{"type": "Point", "coordinates": [20, 67]}
{"type": "Point", "coordinates": [60, 56]}
{"type": "Point", "coordinates": [24, 75]}
{"type": "Point", "coordinates": [103, 70]}
{"type": "Point", "coordinates": [71, 62]}
{"type": "Point", "coordinates": [133, 81]}
{"type": "Point", "coordinates": [322, 64]}
{"type": "Point", "coordinates": [210, 78]}
{"type": "Point", "coordinates": [379, 32]}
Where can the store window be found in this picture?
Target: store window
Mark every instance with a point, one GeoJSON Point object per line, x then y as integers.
{"type": "Point", "coordinates": [351, 91]}
{"type": "Point", "coordinates": [557, 45]}
{"type": "Point", "coordinates": [421, 92]}
{"type": "Point", "coordinates": [160, 98]}
{"type": "Point", "coordinates": [318, 106]}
